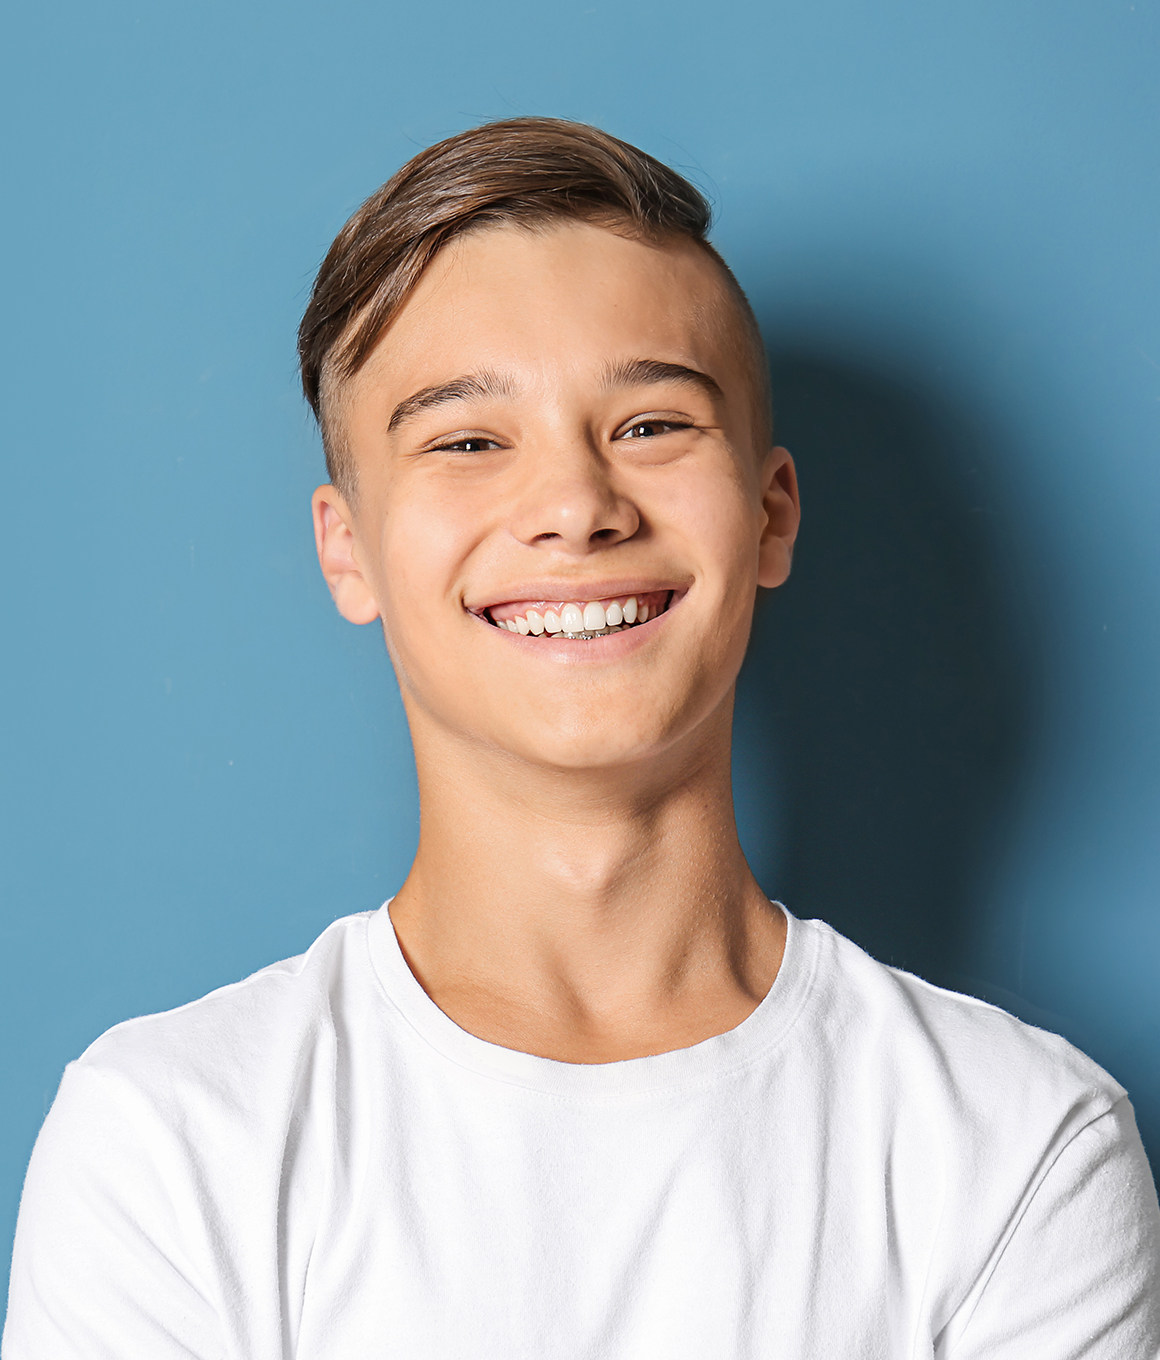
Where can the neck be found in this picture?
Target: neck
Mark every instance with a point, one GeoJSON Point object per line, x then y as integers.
{"type": "Point", "coordinates": [587, 916]}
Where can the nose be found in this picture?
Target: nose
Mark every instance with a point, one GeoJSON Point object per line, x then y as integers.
{"type": "Point", "coordinates": [570, 501]}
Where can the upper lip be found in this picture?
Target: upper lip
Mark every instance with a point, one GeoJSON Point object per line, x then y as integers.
{"type": "Point", "coordinates": [563, 592]}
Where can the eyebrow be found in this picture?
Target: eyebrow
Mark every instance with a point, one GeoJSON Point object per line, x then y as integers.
{"type": "Point", "coordinates": [627, 373]}
{"type": "Point", "coordinates": [465, 388]}
{"type": "Point", "coordinates": [646, 372]}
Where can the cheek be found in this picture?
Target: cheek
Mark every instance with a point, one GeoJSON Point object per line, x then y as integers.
{"type": "Point", "coordinates": [425, 540]}
{"type": "Point", "coordinates": [718, 518]}
{"type": "Point", "coordinates": [418, 559]}
{"type": "Point", "coordinates": [723, 527]}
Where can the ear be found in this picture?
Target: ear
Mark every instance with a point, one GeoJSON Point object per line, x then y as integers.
{"type": "Point", "coordinates": [779, 501]}
{"type": "Point", "coordinates": [337, 555]}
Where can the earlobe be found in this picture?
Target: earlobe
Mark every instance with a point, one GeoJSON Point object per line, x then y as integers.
{"type": "Point", "coordinates": [782, 510]}
{"type": "Point", "coordinates": [335, 541]}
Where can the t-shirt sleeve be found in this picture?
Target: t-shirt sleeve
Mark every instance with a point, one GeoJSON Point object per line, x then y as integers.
{"type": "Point", "coordinates": [103, 1264]}
{"type": "Point", "coordinates": [1079, 1276]}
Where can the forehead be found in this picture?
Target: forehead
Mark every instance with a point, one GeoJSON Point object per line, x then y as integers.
{"type": "Point", "coordinates": [551, 305]}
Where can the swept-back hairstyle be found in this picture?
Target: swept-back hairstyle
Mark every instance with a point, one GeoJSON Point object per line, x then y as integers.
{"type": "Point", "coordinates": [523, 171]}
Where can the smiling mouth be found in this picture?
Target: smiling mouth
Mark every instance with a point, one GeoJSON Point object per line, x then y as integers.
{"type": "Point", "coordinates": [579, 620]}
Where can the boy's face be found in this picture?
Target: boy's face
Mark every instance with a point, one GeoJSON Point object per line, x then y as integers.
{"type": "Point", "coordinates": [560, 417]}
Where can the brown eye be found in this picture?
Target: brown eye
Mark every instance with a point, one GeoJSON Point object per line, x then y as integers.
{"type": "Point", "coordinates": [649, 429]}
{"type": "Point", "coordinates": [472, 444]}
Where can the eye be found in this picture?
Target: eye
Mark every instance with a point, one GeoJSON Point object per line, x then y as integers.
{"type": "Point", "coordinates": [470, 443]}
{"type": "Point", "coordinates": [650, 429]}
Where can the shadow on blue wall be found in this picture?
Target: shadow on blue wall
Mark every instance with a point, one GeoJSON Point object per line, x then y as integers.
{"type": "Point", "coordinates": [899, 702]}
{"type": "Point", "coordinates": [896, 677]}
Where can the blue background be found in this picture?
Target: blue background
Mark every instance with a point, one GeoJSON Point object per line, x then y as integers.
{"type": "Point", "coordinates": [947, 216]}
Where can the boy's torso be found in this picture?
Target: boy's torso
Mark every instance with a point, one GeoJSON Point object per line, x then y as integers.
{"type": "Point", "coordinates": [328, 1167]}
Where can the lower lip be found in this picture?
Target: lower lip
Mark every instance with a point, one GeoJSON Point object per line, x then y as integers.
{"type": "Point", "coordinates": [578, 651]}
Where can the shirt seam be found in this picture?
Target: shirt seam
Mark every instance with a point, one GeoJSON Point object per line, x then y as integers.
{"type": "Point", "coordinates": [988, 1271]}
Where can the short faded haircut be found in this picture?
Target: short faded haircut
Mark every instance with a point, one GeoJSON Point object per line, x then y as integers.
{"type": "Point", "coordinates": [522, 172]}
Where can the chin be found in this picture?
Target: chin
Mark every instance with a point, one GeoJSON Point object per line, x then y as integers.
{"type": "Point", "coordinates": [597, 747]}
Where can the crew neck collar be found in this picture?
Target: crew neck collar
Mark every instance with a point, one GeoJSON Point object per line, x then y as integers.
{"type": "Point", "coordinates": [707, 1061]}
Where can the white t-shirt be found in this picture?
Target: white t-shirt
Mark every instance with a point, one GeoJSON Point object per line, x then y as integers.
{"type": "Point", "coordinates": [318, 1163]}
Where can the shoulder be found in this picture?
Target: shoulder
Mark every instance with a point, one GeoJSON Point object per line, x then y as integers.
{"type": "Point", "coordinates": [234, 1046]}
{"type": "Point", "coordinates": [158, 1178]}
{"type": "Point", "coordinates": [190, 1116]}
{"type": "Point", "coordinates": [981, 1100]}
{"type": "Point", "coordinates": [983, 1130]}
{"type": "Point", "coordinates": [953, 1037]}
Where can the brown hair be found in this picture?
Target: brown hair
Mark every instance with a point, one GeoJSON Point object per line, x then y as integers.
{"type": "Point", "coordinates": [522, 170]}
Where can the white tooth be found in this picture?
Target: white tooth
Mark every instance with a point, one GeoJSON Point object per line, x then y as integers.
{"type": "Point", "coordinates": [613, 615]}
{"type": "Point", "coordinates": [552, 622]}
{"type": "Point", "coordinates": [535, 622]}
{"type": "Point", "coordinates": [630, 609]}
{"type": "Point", "coordinates": [510, 625]}
{"type": "Point", "coordinates": [594, 619]}
{"type": "Point", "coordinates": [642, 614]}
{"type": "Point", "coordinates": [572, 618]}
{"type": "Point", "coordinates": [521, 626]}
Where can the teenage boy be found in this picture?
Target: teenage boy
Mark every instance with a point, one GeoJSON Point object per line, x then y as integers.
{"type": "Point", "coordinates": [580, 1090]}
